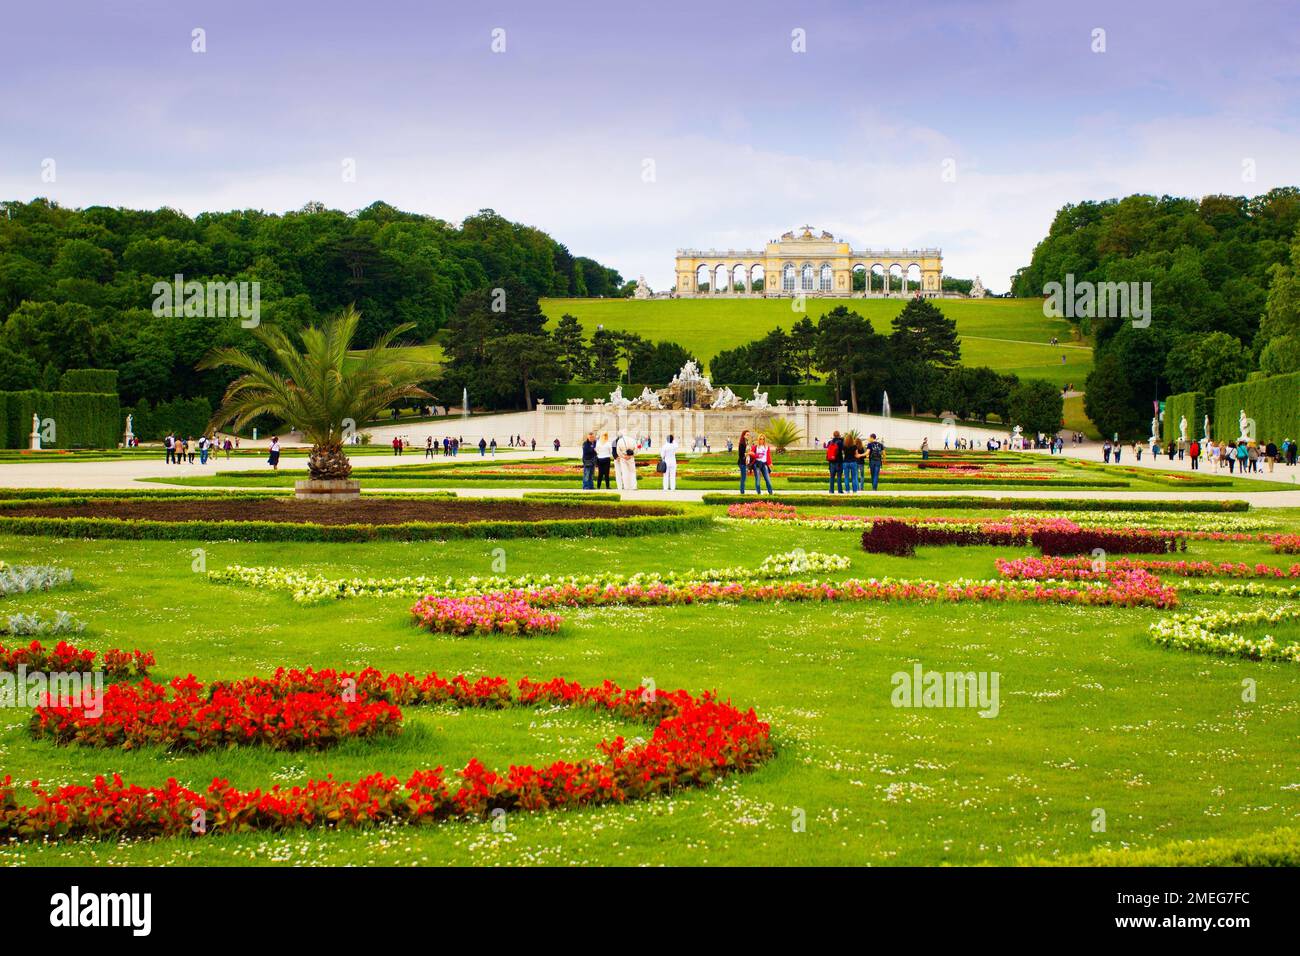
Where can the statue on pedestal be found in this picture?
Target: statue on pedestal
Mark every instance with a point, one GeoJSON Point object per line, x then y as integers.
{"type": "Point", "coordinates": [1206, 426]}
{"type": "Point", "coordinates": [977, 290]}
{"type": "Point", "coordinates": [35, 443]}
{"type": "Point", "coordinates": [617, 400]}
{"type": "Point", "coordinates": [642, 290]}
{"type": "Point", "coordinates": [1182, 428]}
{"type": "Point", "coordinates": [759, 400]}
{"type": "Point", "coordinates": [1244, 426]}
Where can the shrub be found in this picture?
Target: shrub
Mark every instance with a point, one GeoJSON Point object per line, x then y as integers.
{"type": "Point", "coordinates": [1274, 404]}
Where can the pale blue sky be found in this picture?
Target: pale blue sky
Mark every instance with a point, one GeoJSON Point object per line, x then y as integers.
{"type": "Point", "coordinates": [748, 137]}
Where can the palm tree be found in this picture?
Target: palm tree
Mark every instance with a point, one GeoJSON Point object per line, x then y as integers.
{"type": "Point", "coordinates": [318, 389]}
{"type": "Point", "coordinates": [783, 433]}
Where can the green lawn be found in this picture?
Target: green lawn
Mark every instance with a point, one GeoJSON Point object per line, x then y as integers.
{"type": "Point", "coordinates": [1092, 714]}
{"type": "Point", "coordinates": [1010, 335]}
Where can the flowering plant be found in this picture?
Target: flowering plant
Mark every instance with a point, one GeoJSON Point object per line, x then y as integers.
{"type": "Point", "coordinates": [65, 658]}
{"type": "Point", "coordinates": [1212, 633]}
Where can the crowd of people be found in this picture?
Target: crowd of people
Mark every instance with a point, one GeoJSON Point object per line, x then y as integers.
{"type": "Point", "coordinates": [180, 450]}
{"type": "Point", "coordinates": [1239, 457]}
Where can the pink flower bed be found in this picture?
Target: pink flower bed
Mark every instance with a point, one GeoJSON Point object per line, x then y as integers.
{"type": "Point", "coordinates": [483, 614]}
{"type": "Point", "coordinates": [1082, 568]}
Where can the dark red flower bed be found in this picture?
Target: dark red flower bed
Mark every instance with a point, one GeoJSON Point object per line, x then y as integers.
{"type": "Point", "coordinates": [186, 716]}
{"type": "Point", "coordinates": [899, 538]}
{"type": "Point", "coordinates": [64, 658]}
{"type": "Point", "coordinates": [694, 741]}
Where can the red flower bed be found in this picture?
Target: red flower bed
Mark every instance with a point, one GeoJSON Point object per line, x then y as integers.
{"type": "Point", "coordinates": [1285, 543]}
{"type": "Point", "coordinates": [694, 741]}
{"type": "Point", "coordinates": [191, 718]}
{"type": "Point", "coordinates": [900, 538]}
{"type": "Point", "coordinates": [1119, 541]}
{"type": "Point", "coordinates": [64, 658]}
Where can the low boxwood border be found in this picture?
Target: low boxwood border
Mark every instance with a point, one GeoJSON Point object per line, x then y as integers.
{"type": "Point", "coordinates": [586, 497]}
{"type": "Point", "coordinates": [990, 504]}
{"type": "Point", "coordinates": [622, 526]}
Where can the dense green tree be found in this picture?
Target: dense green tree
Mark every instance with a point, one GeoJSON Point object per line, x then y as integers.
{"type": "Point", "coordinates": [1201, 363]}
{"type": "Point", "coordinates": [851, 352]}
{"type": "Point", "coordinates": [1109, 401]}
{"type": "Point", "coordinates": [571, 348]}
{"type": "Point", "coordinates": [520, 364]}
{"type": "Point", "coordinates": [665, 361]}
{"type": "Point", "coordinates": [1036, 406]}
{"type": "Point", "coordinates": [924, 335]}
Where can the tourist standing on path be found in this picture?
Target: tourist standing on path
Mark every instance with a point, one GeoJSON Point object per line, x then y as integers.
{"type": "Point", "coordinates": [625, 462]}
{"type": "Point", "coordinates": [1270, 455]}
{"type": "Point", "coordinates": [227, 449]}
{"type": "Point", "coordinates": [588, 461]}
{"type": "Point", "coordinates": [428, 446]}
{"type": "Point", "coordinates": [203, 449]}
{"type": "Point", "coordinates": [274, 458]}
{"type": "Point", "coordinates": [925, 449]}
{"type": "Point", "coordinates": [1117, 449]}
{"type": "Point", "coordinates": [169, 443]}
{"type": "Point", "coordinates": [493, 445]}
{"type": "Point", "coordinates": [742, 459]}
{"type": "Point", "coordinates": [875, 460]}
{"type": "Point", "coordinates": [1105, 452]}
{"type": "Point", "coordinates": [482, 448]}
{"type": "Point", "coordinates": [668, 455]}
{"type": "Point", "coordinates": [835, 462]}
{"type": "Point", "coordinates": [850, 466]}
{"type": "Point", "coordinates": [762, 456]}
{"type": "Point", "coordinates": [1194, 453]}
{"type": "Point", "coordinates": [604, 450]}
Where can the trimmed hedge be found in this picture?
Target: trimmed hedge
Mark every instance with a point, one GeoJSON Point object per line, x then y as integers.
{"type": "Point", "coordinates": [145, 530]}
{"type": "Point", "coordinates": [81, 419]}
{"type": "Point", "coordinates": [1274, 404]}
{"type": "Point", "coordinates": [586, 497]}
{"type": "Point", "coordinates": [99, 380]}
{"type": "Point", "coordinates": [987, 504]}
{"type": "Point", "coordinates": [1195, 406]}
{"type": "Point", "coordinates": [1280, 847]}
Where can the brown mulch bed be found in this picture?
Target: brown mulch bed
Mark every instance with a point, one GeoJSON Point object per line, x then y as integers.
{"type": "Point", "coordinates": [366, 511]}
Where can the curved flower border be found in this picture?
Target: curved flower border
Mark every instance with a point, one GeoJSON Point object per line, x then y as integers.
{"type": "Point", "coordinates": [1212, 633]}
{"type": "Point", "coordinates": [694, 741]}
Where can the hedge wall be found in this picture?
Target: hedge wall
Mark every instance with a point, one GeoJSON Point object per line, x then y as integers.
{"type": "Point", "coordinates": [99, 380]}
{"type": "Point", "coordinates": [821, 394]}
{"type": "Point", "coordinates": [81, 419]}
{"type": "Point", "coordinates": [187, 417]}
{"type": "Point", "coordinates": [1192, 404]}
{"type": "Point", "coordinates": [1274, 404]}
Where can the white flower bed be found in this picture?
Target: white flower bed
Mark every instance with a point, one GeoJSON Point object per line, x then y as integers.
{"type": "Point", "coordinates": [1212, 633]}
{"type": "Point", "coordinates": [316, 588]}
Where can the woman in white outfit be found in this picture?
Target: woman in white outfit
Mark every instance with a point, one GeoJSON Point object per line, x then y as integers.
{"type": "Point", "coordinates": [625, 462]}
{"type": "Point", "coordinates": [668, 454]}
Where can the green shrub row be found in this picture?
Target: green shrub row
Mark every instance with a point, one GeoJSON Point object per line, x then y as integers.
{"type": "Point", "coordinates": [868, 500]}
{"type": "Point", "coordinates": [136, 530]}
{"type": "Point", "coordinates": [1193, 405]}
{"type": "Point", "coordinates": [80, 419]}
{"type": "Point", "coordinates": [586, 497]}
{"type": "Point", "coordinates": [1274, 404]}
{"type": "Point", "coordinates": [1280, 847]}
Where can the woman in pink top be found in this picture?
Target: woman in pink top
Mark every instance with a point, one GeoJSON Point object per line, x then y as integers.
{"type": "Point", "coordinates": [762, 458]}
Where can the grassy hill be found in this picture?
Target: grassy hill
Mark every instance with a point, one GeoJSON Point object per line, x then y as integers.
{"type": "Point", "coordinates": [1010, 335]}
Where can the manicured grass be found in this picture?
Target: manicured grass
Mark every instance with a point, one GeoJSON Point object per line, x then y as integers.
{"type": "Point", "coordinates": [1092, 714]}
{"type": "Point", "coordinates": [1010, 335]}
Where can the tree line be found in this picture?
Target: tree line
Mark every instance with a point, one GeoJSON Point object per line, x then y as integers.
{"type": "Point", "coordinates": [1224, 274]}
{"type": "Point", "coordinates": [76, 285]}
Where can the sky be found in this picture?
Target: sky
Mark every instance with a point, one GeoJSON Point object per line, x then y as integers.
{"type": "Point", "coordinates": [628, 130]}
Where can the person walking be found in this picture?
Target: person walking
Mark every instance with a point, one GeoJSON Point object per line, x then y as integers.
{"type": "Point", "coordinates": [1243, 457]}
{"type": "Point", "coordinates": [1270, 455]}
{"type": "Point", "coordinates": [588, 461]}
{"type": "Point", "coordinates": [925, 449]}
{"type": "Point", "coordinates": [668, 456]}
{"type": "Point", "coordinates": [203, 449]}
{"type": "Point", "coordinates": [428, 446]}
{"type": "Point", "coordinates": [227, 449]}
{"type": "Point", "coordinates": [557, 445]}
{"type": "Point", "coordinates": [169, 443]}
{"type": "Point", "coordinates": [835, 462]}
{"type": "Point", "coordinates": [604, 449]}
{"type": "Point", "coordinates": [742, 459]}
{"type": "Point", "coordinates": [852, 466]}
{"type": "Point", "coordinates": [274, 458]}
{"type": "Point", "coordinates": [1105, 452]}
{"type": "Point", "coordinates": [762, 456]}
{"type": "Point", "coordinates": [482, 447]}
{"type": "Point", "coordinates": [493, 445]}
{"type": "Point", "coordinates": [1194, 453]}
{"type": "Point", "coordinates": [875, 460]}
{"type": "Point", "coordinates": [1116, 449]}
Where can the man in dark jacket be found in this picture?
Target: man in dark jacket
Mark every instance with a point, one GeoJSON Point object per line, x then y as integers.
{"type": "Point", "coordinates": [589, 461]}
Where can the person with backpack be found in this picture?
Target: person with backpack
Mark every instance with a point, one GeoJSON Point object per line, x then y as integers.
{"type": "Point", "coordinates": [742, 459]}
{"type": "Point", "coordinates": [835, 462]}
{"type": "Point", "coordinates": [625, 462]}
{"type": "Point", "coordinates": [170, 444]}
{"type": "Point", "coordinates": [875, 460]}
{"type": "Point", "coordinates": [588, 461]}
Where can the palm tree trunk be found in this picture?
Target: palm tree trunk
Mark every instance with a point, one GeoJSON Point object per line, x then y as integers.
{"type": "Point", "coordinates": [328, 462]}
{"type": "Point", "coordinates": [853, 394]}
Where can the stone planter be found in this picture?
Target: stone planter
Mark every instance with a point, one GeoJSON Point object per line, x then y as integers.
{"type": "Point", "coordinates": [342, 489]}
